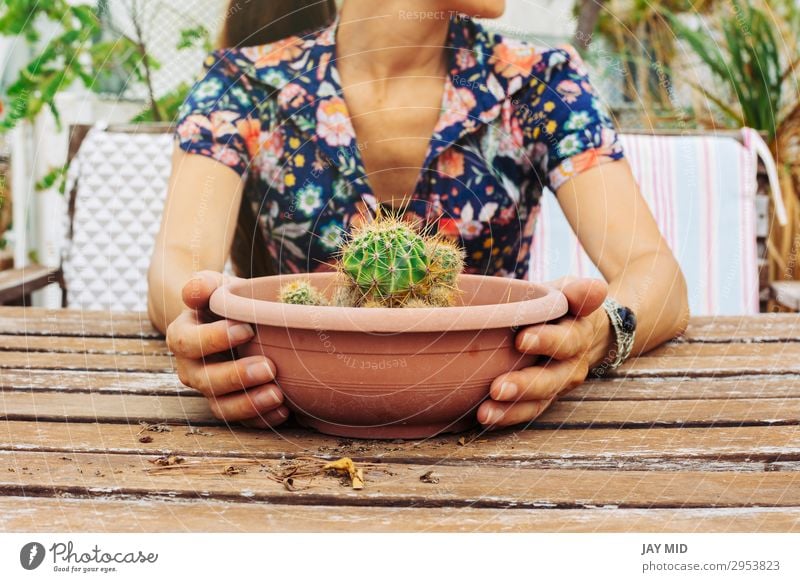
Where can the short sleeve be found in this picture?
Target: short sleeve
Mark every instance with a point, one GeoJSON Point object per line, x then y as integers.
{"type": "Point", "coordinates": [217, 117]}
{"type": "Point", "coordinates": [563, 119]}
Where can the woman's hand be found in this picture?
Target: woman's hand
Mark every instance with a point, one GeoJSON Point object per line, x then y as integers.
{"type": "Point", "coordinates": [570, 344]}
{"type": "Point", "coordinates": [237, 390]}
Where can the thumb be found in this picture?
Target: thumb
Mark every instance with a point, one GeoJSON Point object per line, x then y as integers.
{"type": "Point", "coordinates": [197, 290]}
{"type": "Point", "coordinates": [584, 296]}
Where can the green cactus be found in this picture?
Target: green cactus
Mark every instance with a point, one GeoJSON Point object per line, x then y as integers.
{"type": "Point", "coordinates": [386, 263]}
{"type": "Point", "coordinates": [386, 260]}
{"type": "Point", "coordinates": [300, 292]}
{"type": "Point", "coordinates": [446, 260]}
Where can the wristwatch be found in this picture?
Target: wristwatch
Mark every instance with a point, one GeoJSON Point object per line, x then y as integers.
{"type": "Point", "coordinates": [623, 320]}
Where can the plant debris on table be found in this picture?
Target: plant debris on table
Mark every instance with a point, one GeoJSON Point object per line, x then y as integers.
{"type": "Point", "coordinates": [294, 474]}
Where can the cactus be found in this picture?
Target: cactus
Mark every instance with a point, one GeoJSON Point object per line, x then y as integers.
{"type": "Point", "coordinates": [387, 263]}
{"type": "Point", "coordinates": [300, 292]}
{"type": "Point", "coordinates": [386, 260]}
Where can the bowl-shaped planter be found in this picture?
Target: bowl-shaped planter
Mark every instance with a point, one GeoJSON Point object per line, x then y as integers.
{"type": "Point", "coordinates": [389, 372]}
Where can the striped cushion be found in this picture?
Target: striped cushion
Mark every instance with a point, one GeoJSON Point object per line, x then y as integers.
{"type": "Point", "coordinates": [701, 190]}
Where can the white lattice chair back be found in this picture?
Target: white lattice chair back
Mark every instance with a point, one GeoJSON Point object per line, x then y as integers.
{"type": "Point", "coordinates": [701, 190]}
{"type": "Point", "coordinates": [120, 179]}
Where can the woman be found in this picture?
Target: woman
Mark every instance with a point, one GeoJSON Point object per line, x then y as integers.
{"type": "Point", "coordinates": [413, 105]}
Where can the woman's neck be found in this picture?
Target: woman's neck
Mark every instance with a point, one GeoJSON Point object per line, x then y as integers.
{"type": "Point", "coordinates": [390, 38]}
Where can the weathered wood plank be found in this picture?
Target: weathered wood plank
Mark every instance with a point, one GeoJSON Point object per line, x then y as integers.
{"type": "Point", "coordinates": [655, 388]}
{"type": "Point", "coordinates": [37, 514]}
{"type": "Point", "coordinates": [48, 474]}
{"type": "Point", "coordinates": [74, 322]}
{"type": "Point", "coordinates": [689, 388]}
{"type": "Point", "coordinates": [94, 381]}
{"type": "Point", "coordinates": [774, 363]}
{"type": "Point", "coordinates": [124, 345]}
{"type": "Point", "coordinates": [724, 350]}
{"type": "Point", "coordinates": [120, 363]}
{"type": "Point", "coordinates": [750, 448]}
{"type": "Point", "coordinates": [83, 345]}
{"type": "Point", "coordinates": [92, 407]}
{"type": "Point", "coordinates": [39, 321]}
{"type": "Point", "coordinates": [770, 327]}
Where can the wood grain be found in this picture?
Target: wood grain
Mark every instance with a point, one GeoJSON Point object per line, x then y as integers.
{"type": "Point", "coordinates": [746, 448]}
{"type": "Point", "coordinates": [83, 345]}
{"type": "Point", "coordinates": [98, 514]}
{"type": "Point", "coordinates": [73, 322]}
{"type": "Point", "coordinates": [655, 388]}
{"type": "Point", "coordinates": [394, 485]}
{"type": "Point", "coordinates": [766, 327]}
{"type": "Point", "coordinates": [93, 407]}
{"type": "Point", "coordinates": [93, 381]}
{"type": "Point", "coordinates": [70, 361]}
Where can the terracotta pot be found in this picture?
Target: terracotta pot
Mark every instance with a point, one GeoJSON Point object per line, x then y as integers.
{"type": "Point", "coordinates": [389, 372]}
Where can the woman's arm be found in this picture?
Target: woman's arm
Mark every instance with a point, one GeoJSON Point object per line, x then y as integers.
{"type": "Point", "coordinates": [191, 249]}
{"type": "Point", "coordinates": [616, 228]}
{"type": "Point", "coordinates": [614, 224]}
{"type": "Point", "coordinates": [197, 229]}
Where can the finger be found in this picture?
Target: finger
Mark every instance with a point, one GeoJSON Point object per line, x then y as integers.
{"type": "Point", "coordinates": [499, 414]}
{"type": "Point", "coordinates": [217, 379]}
{"type": "Point", "coordinates": [251, 403]}
{"type": "Point", "coordinates": [539, 382]}
{"type": "Point", "coordinates": [563, 340]}
{"type": "Point", "coordinates": [268, 419]}
{"type": "Point", "coordinates": [199, 288]}
{"type": "Point", "coordinates": [583, 295]}
{"type": "Point", "coordinates": [188, 338]}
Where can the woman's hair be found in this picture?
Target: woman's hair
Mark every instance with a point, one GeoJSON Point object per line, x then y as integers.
{"type": "Point", "coordinates": [250, 23]}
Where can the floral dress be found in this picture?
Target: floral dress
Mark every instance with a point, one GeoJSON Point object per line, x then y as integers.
{"type": "Point", "coordinates": [515, 118]}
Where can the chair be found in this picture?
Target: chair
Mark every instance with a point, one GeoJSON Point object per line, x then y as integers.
{"type": "Point", "coordinates": [701, 190]}
{"type": "Point", "coordinates": [117, 184]}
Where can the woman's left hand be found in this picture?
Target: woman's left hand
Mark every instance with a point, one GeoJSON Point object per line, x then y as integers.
{"type": "Point", "coordinates": [567, 346]}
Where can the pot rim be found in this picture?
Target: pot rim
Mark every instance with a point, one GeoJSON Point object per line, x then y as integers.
{"type": "Point", "coordinates": [226, 302]}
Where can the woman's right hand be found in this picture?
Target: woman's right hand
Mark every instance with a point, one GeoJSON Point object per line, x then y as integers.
{"type": "Point", "coordinates": [237, 390]}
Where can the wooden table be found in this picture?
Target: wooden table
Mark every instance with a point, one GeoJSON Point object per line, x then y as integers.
{"type": "Point", "coordinates": [699, 435]}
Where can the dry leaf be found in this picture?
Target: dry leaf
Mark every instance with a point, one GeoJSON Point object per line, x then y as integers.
{"type": "Point", "coordinates": [346, 466]}
{"type": "Point", "coordinates": [358, 480]}
{"type": "Point", "coordinates": [197, 431]}
{"type": "Point", "coordinates": [160, 427]}
{"type": "Point", "coordinates": [429, 477]}
{"type": "Point", "coordinates": [167, 460]}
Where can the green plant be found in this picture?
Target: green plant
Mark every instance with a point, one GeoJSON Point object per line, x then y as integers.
{"type": "Point", "coordinates": [640, 44]}
{"type": "Point", "coordinates": [387, 263]}
{"type": "Point", "coordinates": [87, 48]}
{"type": "Point", "coordinates": [300, 293]}
{"type": "Point", "coordinates": [751, 49]}
{"type": "Point", "coordinates": [75, 53]}
{"type": "Point", "coordinates": [746, 60]}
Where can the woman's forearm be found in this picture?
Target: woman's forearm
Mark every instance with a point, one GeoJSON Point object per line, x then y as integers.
{"type": "Point", "coordinates": [652, 286]}
{"type": "Point", "coordinates": [169, 271]}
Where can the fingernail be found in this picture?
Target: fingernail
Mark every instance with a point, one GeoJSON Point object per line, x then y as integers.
{"type": "Point", "coordinates": [240, 332]}
{"type": "Point", "coordinates": [489, 417]}
{"type": "Point", "coordinates": [508, 391]}
{"type": "Point", "coordinates": [530, 343]}
{"type": "Point", "coordinates": [259, 373]}
{"type": "Point", "coordinates": [267, 398]}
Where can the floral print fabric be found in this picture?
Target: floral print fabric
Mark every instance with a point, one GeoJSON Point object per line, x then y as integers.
{"type": "Point", "coordinates": [515, 118]}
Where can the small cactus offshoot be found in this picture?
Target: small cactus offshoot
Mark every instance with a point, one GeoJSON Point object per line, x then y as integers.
{"type": "Point", "coordinates": [387, 263]}
{"type": "Point", "coordinates": [300, 292]}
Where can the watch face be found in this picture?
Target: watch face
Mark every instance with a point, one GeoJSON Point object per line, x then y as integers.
{"type": "Point", "coordinates": [628, 319]}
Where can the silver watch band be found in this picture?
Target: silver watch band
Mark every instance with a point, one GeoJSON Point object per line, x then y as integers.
{"type": "Point", "coordinates": [624, 339]}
